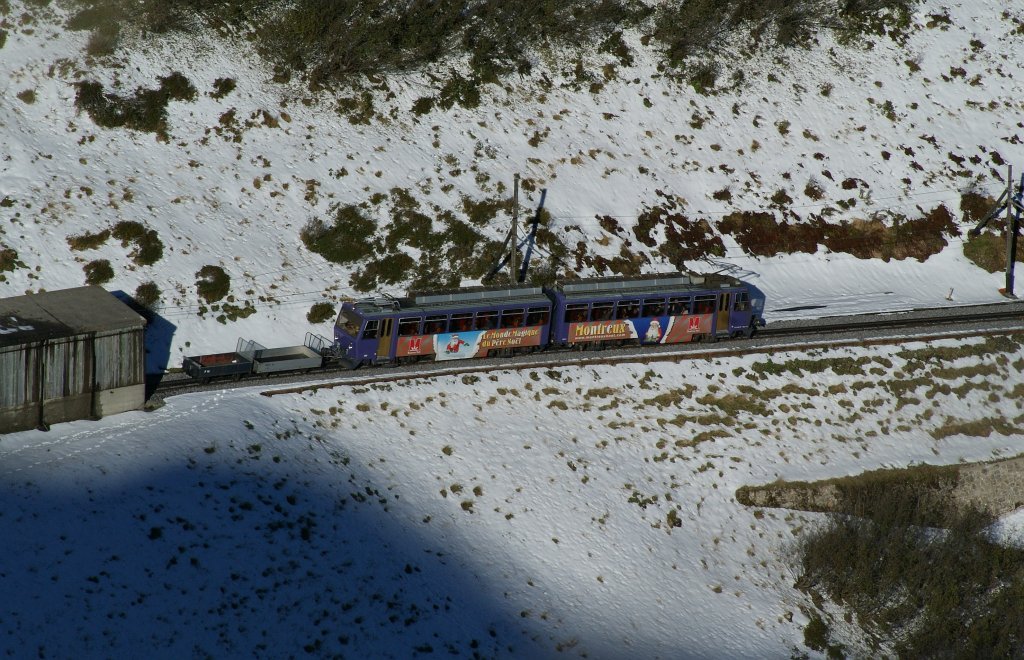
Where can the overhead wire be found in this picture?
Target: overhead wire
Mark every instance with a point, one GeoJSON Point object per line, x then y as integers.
{"type": "Point", "coordinates": [296, 299]}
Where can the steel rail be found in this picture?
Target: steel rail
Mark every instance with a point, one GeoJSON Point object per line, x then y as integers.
{"type": "Point", "coordinates": [836, 331]}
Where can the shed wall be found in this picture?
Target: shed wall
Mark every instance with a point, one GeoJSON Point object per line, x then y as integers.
{"type": "Point", "coordinates": [59, 380]}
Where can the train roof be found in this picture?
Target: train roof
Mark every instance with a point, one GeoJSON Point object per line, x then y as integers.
{"type": "Point", "coordinates": [445, 300]}
{"type": "Point", "coordinates": [661, 283]}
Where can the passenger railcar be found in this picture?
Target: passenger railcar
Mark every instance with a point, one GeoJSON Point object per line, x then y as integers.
{"type": "Point", "coordinates": [489, 321]}
{"type": "Point", "coordinates": [656, 309]}
{"type": "Point", "coordinates": [444, 325]}
{"type": "Point", "coordinates": [502, 321]}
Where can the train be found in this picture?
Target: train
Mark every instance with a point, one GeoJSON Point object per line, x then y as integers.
{"type": "Point", "coordinates": [480, 322]}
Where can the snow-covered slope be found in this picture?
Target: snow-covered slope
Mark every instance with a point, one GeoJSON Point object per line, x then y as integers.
{"type": "Point", "coordinates": [347, 522]}
{"type": "Point", "coordinates": [241, 174]}
{"type": "Point", "coordinates": [586, 512]}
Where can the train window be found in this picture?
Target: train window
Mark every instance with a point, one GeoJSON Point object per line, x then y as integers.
{"type": "Point", "coordinates": [462, 322]}
{"type": "Point", "coordinates": [704, 304]}
{"type": "Point", "coordinates": [433, 325]}
{"type": "Point", "coordinates": [743, 302]}
{"type": "Point", "coordinates": [654, 307]}
{"type": "Point", "coordinates": [601, 311]}
{"type": "Point", "coordinates": [679, 306]}
{"type": "Point", "coordinates": [512, 318]}
{"type": "Point", "coordinates": [370, 331]}
{"type": "Point", "coordinates": [628, 309]}
{"type": "Point", "coordinates": [409, 326]}
{"type": "Point", "coordinates": [349, 322]}
{"type": "Point", "coordinates": [485, 321]}
{"type": "Point", "coordinates": [537, 316]}
{"type": "Point", "coordinates": [576, 313]}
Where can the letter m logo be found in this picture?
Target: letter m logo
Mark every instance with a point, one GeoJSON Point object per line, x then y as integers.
{"type": "Point", "coordinates": [693, 324]}
{"type": "Point", "coordinates": [414, 344]}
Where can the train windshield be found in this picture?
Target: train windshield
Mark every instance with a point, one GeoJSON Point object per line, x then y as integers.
{"type": "Point", "coordinates": [349, 322]}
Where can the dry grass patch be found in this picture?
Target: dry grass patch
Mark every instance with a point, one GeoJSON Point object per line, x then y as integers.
{"type": "Point", "coordinates": [987, 250]}
{"type": "Point", "coordinates": [978, 428]}
{"type": "Point", "coordinates": [673, 397]}
{"type": "Point", "coordinates": [760, 234]}
{"type": "Point", "coordinates": [684, 238]}
{"type": "Point", "coordinates": [895, 237]}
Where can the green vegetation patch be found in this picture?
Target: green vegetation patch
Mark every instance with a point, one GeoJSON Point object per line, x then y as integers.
{"type": "Point", "coordinates": [447, 254]}
{"type": "Point", "coordinates": [320, 312]}
{"type": "Point", "coordinates": [145, 111]}
{"type": "Point", "coordinates": [737, 405]}
{"type": "Point", "coordinates": [482, 211]}
{"type": "Point", "coordinates": [212, 283]}
{"type": "Point", "coordinates": [346, 241]}
{"type": "Point", "coordinates": [844, 366]}
{"type": "Point", "coordinates": [694, 29]}
{"type": "Point", "coordinates": [911, 496]}
{"type": "Point", "coordinates": [938, 354]}
{"type": "Point", "coordinates": [147, 294]}
{"type": "Point", "coordinates": [978, 428]}
{"type": "Point", "coordinates": [928, 594]}
{"type": "Point", "coordinates": [147, 248]}
{"type": "Point", "coordinates": [342, 43]}
{"type": "Point", "coordinates": [98, 272]}
{"type": "Point", "coordinates": [674, 397]}
{"type": "Point", "coordinates": [9, 259]}
{"type": "Point", "coordinates": [88, 241]}
{"type": "Point", "coordinates": [334, 42]}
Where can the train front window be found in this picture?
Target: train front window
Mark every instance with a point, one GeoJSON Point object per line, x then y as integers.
{"type": "Point", "coordinates": [349, 322]}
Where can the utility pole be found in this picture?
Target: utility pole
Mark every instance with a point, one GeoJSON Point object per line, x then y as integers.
{"type": "Point", "coordinates": [1011, 232]}
{"type": "Point", "coordinates": [1014, 206]}
{"type": "Point", "coordinates": [513, 274]}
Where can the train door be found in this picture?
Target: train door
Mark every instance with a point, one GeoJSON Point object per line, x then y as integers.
{"type": "Point", "coordinates": [384, 339]}
{"type": "Point", "coordinates": [724, 307]}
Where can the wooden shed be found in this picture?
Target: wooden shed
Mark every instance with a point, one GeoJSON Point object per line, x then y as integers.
{"type": "Point", "coordinates": [70, 354]}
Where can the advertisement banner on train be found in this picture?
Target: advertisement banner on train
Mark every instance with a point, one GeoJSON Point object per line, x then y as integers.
{"type": "Point", "coordinates": [415, 345]}
{"type": "Point", "coordinates": [468, 344]}
{"type": "Point", "coordinates": [655, 330]}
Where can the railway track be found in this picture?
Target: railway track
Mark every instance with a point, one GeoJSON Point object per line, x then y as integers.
{"type": "Point", "coordinates": [887, 328]}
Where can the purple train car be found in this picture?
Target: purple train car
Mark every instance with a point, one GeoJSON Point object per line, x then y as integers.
{"type": "Point", "coordinates": [653, 309]}
{"type": "Point", "coordinates": [444, 325]}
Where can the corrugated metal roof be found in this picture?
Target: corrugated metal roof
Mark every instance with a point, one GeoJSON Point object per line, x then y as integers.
{"type": "Point", "coordinates": [440, 301]}
{"type": "Point", "coordinates": [63, 313]}
{"type": "Point", "coordinates": [637, 285]}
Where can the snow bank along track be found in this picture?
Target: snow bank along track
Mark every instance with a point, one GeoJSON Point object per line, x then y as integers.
{"type": "Point", "coordinates": [859, 330]}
